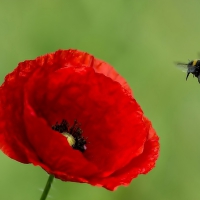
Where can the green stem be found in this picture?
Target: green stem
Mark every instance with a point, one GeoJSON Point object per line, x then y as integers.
{"type": "Point", "coordinates": [47, 187]}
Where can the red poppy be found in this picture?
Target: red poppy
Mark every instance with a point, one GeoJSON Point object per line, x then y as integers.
{"type": "Point", "coordinates": [76, 117]}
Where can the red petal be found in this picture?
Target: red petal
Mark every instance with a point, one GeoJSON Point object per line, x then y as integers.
{"type": "Point", "coordinates": [139, 165]}
{"type": "Point", "coordinates": [13, 141]}
{"type": "Point", "coordinates": [53, 150]}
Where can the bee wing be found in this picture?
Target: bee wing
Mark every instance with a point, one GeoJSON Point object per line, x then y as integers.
{"type": "Point", "coordinates": [182, 66]}
{"type": "Point", "coordinates": [186, 68]}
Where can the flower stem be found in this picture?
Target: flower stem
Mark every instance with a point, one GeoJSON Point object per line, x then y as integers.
{"type": "Point", "coordinates": [47, 187]}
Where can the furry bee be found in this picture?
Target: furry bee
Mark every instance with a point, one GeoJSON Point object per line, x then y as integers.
{"type": "Point", "coordinates": [192, 67]}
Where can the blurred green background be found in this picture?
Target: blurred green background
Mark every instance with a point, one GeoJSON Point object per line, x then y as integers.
{"type": "Point", "coordinates": [142, 40]}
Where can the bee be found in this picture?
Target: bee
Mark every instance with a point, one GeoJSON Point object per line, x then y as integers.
{"type": "Point", "coordinates": [193, 67]}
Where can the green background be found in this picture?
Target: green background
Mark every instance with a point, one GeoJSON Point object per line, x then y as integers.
{"type": "Point", "coordinates": [142, 40]}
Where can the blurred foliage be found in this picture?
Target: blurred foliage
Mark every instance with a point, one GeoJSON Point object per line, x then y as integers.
{"type": "Point", "coordinates": [142, 39]}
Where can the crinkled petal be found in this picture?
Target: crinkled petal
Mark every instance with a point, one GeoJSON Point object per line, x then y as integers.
{"type": "Point", "coordinates": [53, 149]}
{"type": "Point", "coordinates": [139, 165]}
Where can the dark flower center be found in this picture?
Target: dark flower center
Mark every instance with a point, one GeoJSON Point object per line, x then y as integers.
{"type": "Point", "coordinates": [73, 134]}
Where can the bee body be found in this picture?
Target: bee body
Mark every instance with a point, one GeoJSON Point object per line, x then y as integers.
{"type": "Point", "coordinates": [193, 67]}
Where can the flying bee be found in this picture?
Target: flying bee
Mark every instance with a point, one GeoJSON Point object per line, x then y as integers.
{"type": "Point", "coordinates": [192, 67]}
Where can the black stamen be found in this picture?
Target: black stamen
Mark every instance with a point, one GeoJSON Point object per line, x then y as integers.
{"type": "Point", "coordinates": [75, 131]}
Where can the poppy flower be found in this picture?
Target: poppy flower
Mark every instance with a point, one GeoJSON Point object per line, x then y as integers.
{"type": "Point", "coordinates": [76, 117]}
